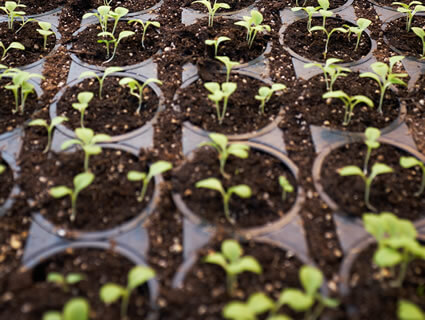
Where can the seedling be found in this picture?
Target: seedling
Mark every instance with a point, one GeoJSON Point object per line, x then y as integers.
{"type": "Point", "coordinates": [107, 2]}
{"type": "Point", "coordinates": [74, 309]}
{"type": "Point", "coordinates": [224, 150]}
{"type": "Point", "coordinates": [408, 311]}
{"type": "Point", "coordinates": [362, 25]}
{"type": "Point", "coordinates": [13, 45]}
{"type": "Point", "coordinates": [136, 89]}
{"type": "Point", "coordinates": [216, 42]}
{"type": "Point", "coordinates": [65, 281]}
{"type": "Point", "coordinates": [410, 162]}
{"type": "Point", "coordinates": [43, 123]}
{"type": "Point", "coordinates": [265, 94]}
{"type": "Point", "coordinates": [145, 26]}
{"type": "Point", "coordinates": [229, 65]}
{"type": "Point", "coordinates": [155, 169]}
{"type": "Point", "coordinates": [9, 8]}
{"type": "Point", "coordinates": [218, 94]}
{"type": "Point", "coordinates": [349, 103]}
{"type": "Point", "coordinates": [242, 190]}
{"type": "Point", "coordinates": [116, 15]}
{"type": "Point", "coordinates": [45, 31]}
{"type": "Point", "coordinates": [107, 72]}
{"type": "Point", "coordinates": [253, 25]}
{"type": "Point", "coordinates": [371, 140]}
{"type": "Point", "coordinates": [328, 35]}
{"type": "Point", "coordinates": [24, 22]}
{"type": "Point", "coordinates": [212, 9]}
{"type": "Point", "coordinates": [377, 169]}
{"type": "Point", "coordinates": [407, 9]}
{"type": "Point", "coordinates": [233, 262]}
{"type": "Point", "coordinates": [88, 142]}
{"type": "Point", "coordinates": [310, 11]}
{"type": "Point", "coordinates": [421, 34]}
{"type": "Point", "coordinates": [324, 12]}
{"type": "Point", "coordinates": [2, 169]}
{"type": "Point", "coordinates": [102, 15]}
{"type": "Point", "coordinates": [114, 41]}
{"type": "Point", "coordinates": [81, 181]}
{"type": "Point", "coordinates": [84, 99]}
{"type": "Point", "coordinates": [331, 71]}
{"type": "Point", "coordinates": [385, 77]}
{"type": "Point", "coordinates": [112, 292]}
{"type": "Point", "coordinates": [286, 186]}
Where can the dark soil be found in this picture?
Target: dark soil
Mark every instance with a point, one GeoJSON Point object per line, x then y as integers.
{"type": "Point", "coordinates": [234, 5]}
{"type": "Point", "coordinates": [38, 6]}
{"type": "Point", "coordinates": [312, 45]}
{"type": "Point", "coordinates": [130, 50]}
{"type": "Point", "coordinates": [260, 172]}
{"type": "Point", "coordinates": [132, 5]}
{"type": "Point", "coordinates": [391, 192]}
{"type": "Point", "coordinates": [29, 295]}
{"type": "Point", "coordinates": [314, 3]}
{"type": "Point", "coordinates": [388, 3]}
{"type": "Point", "coordinates": [243, 111]}
{"type": "Point", "coordinates": [6, 182]}
{"type": "Point", "coordinates": [115, 113]}
{"type": "Point", "coordinates": [330, 113]}
{"type": "Point", "coordinates": [407, 42]}
{"type": "Point", "coordinates": [416, 118]}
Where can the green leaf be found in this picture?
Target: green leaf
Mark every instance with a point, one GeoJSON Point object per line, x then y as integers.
{"type": "Point", "coordinates": [57, 120]}
{"type": "Point", "coordinates": [84, 134]}
{"type": "Point", "coordinates": [241, 190]}
{"type": "Point", "coordinates": [85, 97]}
{"type": "Point", "coordinates": [239, 150]}
{"type": "Point", "coordinates": [69, 143]}
{"type": "Point", "coordinates": [330, 303]}
{"type": "Point", "coordinates": [245, 264]}
{"type": "Point", "coordinates": [409, 311]}
{"type": "Point", "coordinates": [111, 70]}
{"type": "Point", "coordinates": [370, 75]}
{"type": "Point", "coordinates": [59, 192]}
{"type": "Point", "coordinates": [92, 149]}
{"type": "Point", "coordinates": [363, 23]}
{"type": "Point", "coordinates": [16, 45]}
{"type": "Point", "coordinates": [82, 181]}
{"type": "Point", "coordinates": [212, 86]}
{"type": "Point", "coordinates": [311, 279]}
{"type": "Point", "coordinates": [335, 94]}
{"type": "Point", "coordinates": [44, 25]}
{"type": "Point", "coordinates": [373, 224]}
{"type": "Point", "coordinates": [380, 68]}
{"type": "Point", "coordinates": [386, 257]}
{"type": "Point", "coordinates": [260, 303]}
{"type": "Point", "coordinates": [111, 292]}
{"type": "Point", "coordinates": [372, 133]}
{"type": "Point", "coordinates": [229, 88]}
{"type": "Point", "coordinates": [38, 122]}
{"type": "Point", "coordinates": [279, 317]}
{"type": "Point", "coordinates": [125, 34]}
{"type": "Point", "coordinates": [101, 138]}
{"type": "Point", "coordinates": [76, 309]}
{"type": "Point", "coordinates": [380, 168]}
{"type": "Point", "coordinates": [296, 300]}
{"type": "Point", "coordinates": [351, 171]}
{"type": "Point", "coordinates": [318, 28]}
{"type": "Point", "coordinates": [136, 176]}
{"type": "Point", "coordinates": [55, 277]}
{"type": "Point", "coordinates": [88, 74]}
{"type": "Point", "coordinates": [409, 162]}
{"type": "Point", "coordinates": [238, 311]}
{"type": "Point", "coordinates": [220, 139]}
{"type": "Point", "coordinates": [73, 278]}
{"type": "Point", "coordinates": [216, 258]}
{"type": "Point", "coordinates": [231, 250]}
{"type": "Point", "coordinates": [138, 275]}
{"type": "Point", "coordinates": [159, 167]}
{"type": "Point", "coordinates": [210, 183]}
{"type": "Point", "coordinates": [52, 315]}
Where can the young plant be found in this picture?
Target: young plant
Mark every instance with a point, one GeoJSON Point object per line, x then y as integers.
{"type": "Point", "coordinates": [362, 25]}
{"type": "Point", "coordinates": [136, 89]}
{"type": "Point", "coordinates": [43, 123]}
{"type": "Point", "coordinates": [102, 15]}
{"type": "Point", "coordinates": [224, 150]}
{"type": "Point", "coordinates": [265, 94]}
{"type": "Point", "coordinates": [74, 309]}
{"type": "Point", "coordinates": [324, 12]}
{"type": "Point", "coordinates": [385, 77]}
{"type": "Point", "coordinates": [114, 41]}
{"type": "Point", "coordinates": [233, 262]}
{"type": "Point", "coordinates": [410, 162]}
{"type": "Point", "coordinates": [242, 190]}
{"type": "Point", "coordinates": [45, 31]}
{"type": "Point", "coordinates": [421, 34]}
{"type": "Point", "coordinates": [371, 140]}
{"type": "Point", "coordinates": [65, 281]}
{"type": "Point", "coordinates": [10, 9]}
{"type": "Point", "coordinates": [155, 169]}
{"type": "Point", "coordinates": [112, 292]}
{"type": "Point", "coordinates": [13, 45]}
{"type": "Point", "coordinates": [81, 181]}
{"type": "Point", "coordinates": [212, 9]}
{"type": "Point", "coordinates": [408, 311]}
{"type": "Point", "coordinates": [331, 71]}
{"type": "Point", "coordinates": [377, 169]}
{"type": "Point", "coordinates": [145, 26]}
{"type": "Point", "coordinates": [116, 15]}
{"type": "Point", "coordinates": [310, 11]}
{"type": "Point", "coordinates": [349, 103]}
{"type": "Point", "coordinates": [253, 25]}
{"type": "Point", "coordinates": [228, 64]}
{"type": "Point", "coordinates": [84, 99]}
{"type": "Point", "coordinates": [407, 9]}
{"type": "Point", "coordinates": [328, 35]}
{"type": "Point", "coordinates": [218, 94]}
{"type": "Point", "coordinates": [286, 186]}
{"type": "Point", "coordinates": [216, 42]}
{"type": "Point", "coordinates": [108, 71]}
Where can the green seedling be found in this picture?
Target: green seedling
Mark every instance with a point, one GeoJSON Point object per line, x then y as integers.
{"type": "Point", "coordinates": [84, 99]}
{"type": "Point", "coordinates": [225, 149]}
{"type": "Point", "coordinates": [385, 77]}
{"type": "Point", "coordinates": [113, 41]}
{"type": "Point", "coordinates": [102, 15]}
{"type": "Point", "coordinates": [65, 281]}
{"type": "Point", "coordinates": [13, 45]}
{"type": "Point", "coordinates": [136, 89]}
{"type": "Point", "coordinates": [371, 140]}
{"type": "Point", "coordinates": [233, 262]}
{"type": "Point", "coordinates": [421, 34]}
{"type": "Point", "coordinates": [242, 190]}
{"type": "Point", "coordinates": [328, 35]}
{"type": "Point", "coordinates": [108, 71]}
{"type": "Point", "coordinates": [228, 64]}
{"type": "Point", "coordinates": [409, 311]}
{"type": "Point", "coordinates": [410, 162]}
{"type": "Point", "coordinates": [286, 186]}
{"type": "Point", "coordinates": [88, 142]}
{"type": "Point", "coordinates": [253, 25]}
{"type": "Point", "coordinates": [362, 25]}
{"type": "Point", "coordinates": [145, 26]}
{"type": "Point", "coordinates": [45, 31]}
{"type": "Point", "coordinates": [112, 292]}
{"type": "Point", "coordinates": [377, 169]}
{"type": "Point", "coordinates": [265, 94]}
{"type": "Point", "coordinates": [2, 169]}
{"type": "Point", "coordinates": [24, 22]}
{"type": "Point", "coordinates": [310, 11]}
{"type": "Point", "coordinates": [43, 123]}
{"type": "Point", "coordinates": [218, 94]}
{"type": "Point", "coordinates": [10, 9]}
{"type": "Point", "coordinates": [216, 42]}
{"type": "Point", "coordinates": [212, 9]}
{"type": "Point", "coordinates": [397, 244]}
{"type": "Point", "coordinates": [331, 71]}
{"type": "Point", "coordinates": [407, 9]}
{"type": "Point", "coordinates": [74, 309]}
{"type": "Point", "coordinates": [116, 15]}
{"type": "Point", "coordinates": [324, 12]}
{"type": "Point", "coordinates": [349, 103]}
{"type": "Point", "coordinates": [81, 181]}
{"type": "Point", "coordinates": [158, 167]}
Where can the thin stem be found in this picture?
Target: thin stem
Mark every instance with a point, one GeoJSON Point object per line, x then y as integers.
{"type": "Point", "coordinates": [403, 269]}
{"type": "Point", "coordinates": [226, 199]}
{"type": "Point", "coordinates": [367, 195]}
{"type": "Point", "coordinates": [82, 118]}
{"type": "Point", "coordinates": [49, 140]}
{"type": "Point", "coordinates": [231, 283]}
{"type": "Point", "coordinates": [100, 87]}
{"type": "Point", "coordinates": [144, 189]}
{"type": "Point", "coordinates": [283, 195]}
{"type": "Point", "coordinates": [263, 104]}
{"type": "Point", "coordinates": [421, 190]}
{"type": "Point", "coordinates": [366, 162]}
{"type": "Point", "coordinates": [316, 312]}
{"type": "Point", "coordinates": [217, 107]}
{"type": "Point", "coordinates": [223, 114]}
{"type": "Point", "coordinates": [45, 42]}
{"type": "Point", "coordinates": [86, 161]}
{"type": "Point", "coordinates": [73, 206]}
{"type": "Point", "coordinates": [381, 99]}
{"type": "Point", "coordinates": [124, 304]}
{"type": "Point", "coordinates": [143, 36]}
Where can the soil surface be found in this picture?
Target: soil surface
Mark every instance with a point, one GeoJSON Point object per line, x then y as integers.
{"type": "Point", "coordinates": [6, 182]}
{"type": "Point", "coordinates": [29, 295]}
{"type": "Point", "coordinates": [391, 192]}
{"type": "Point", "coordinates": [314, 3]}
{"type": "Point", "coordinates": [38, 6]}
{"type": "Point", "coordinates": [234, 5]}
{"type": "Point", "coordinates": [132, 5]}
{"type": "Point", "coordinates": [416, 117]}
{"type": "Point", "coordinates": [115, 113]}
{"type": "Point", "coordinates": [312, 45]}
{"type": "Point", "coordinates": [389, 3]}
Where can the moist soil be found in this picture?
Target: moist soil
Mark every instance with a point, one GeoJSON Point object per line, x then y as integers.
{"type": "Point", "coordinates": [132, 5]}
{"type": "Point", "coordinates": [416, 117]}
{"type": "Point", "coordinates": [234, 5]}
{"type": "Point", "coordinates": [370, 286]}
{"type": "Point", "coordinates": [29, 295]}
{"type": "Point", "coordinates": [6, 184]}
{"type": "Point", "coordinates": [314, 3]}
{"type": "Point", "coordinates": [391, 192]}
{"type": "Point", "coordinates": [330, 112]}
{"type": "Point", "coordinates": [259, 171]}
{"type": "Point", "coordinates": [115, 113]}
{"type": "Point", "coordinates": [406, 42]}
{"type": "Point", "coordinates": [130, 50]}
{"type": "Point", "coordinates": [312, 45]}
{"type": "Point", "coordinates": [108, 202]}
{"type": "Point", "coordinates": [38, 6]}
{"type": "Point", "coordinates": [243, 110]}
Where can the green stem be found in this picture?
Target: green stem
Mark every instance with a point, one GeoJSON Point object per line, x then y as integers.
{"type": "Point", "coordinates": [263, 104]}
{"type": "Point", "coordinates": [217, 107]}
{"type": "Point", "coordinates": [86, 161]}
{"type": "Point", "coordinates": [231, 284]}
{"type": "Point", "coordinates": [421, 190]}
{"type": "Point", "coordinates": [49, 140]}
{"type": "Point", "coordinates": [73, 206]}
{"type": "Point", "coordinates": [82, 118]}
{"type": "Point", "coordinates": [144, 189]}
{"type": "Point", "coordinates": [403, 269]}
{"type": "Point", "coordinates": [45, 42]}
{"type": "Point", "coordinates": [223, 114]}
{"type": "Point", "coordinates": [316, 312]}
{"type": "Point", "coordinates": [366, 162]}
{"type": "Point", "coordinates": [226, 199]}
{"type": "Point", "coordinates": [367, 195]}
{"type": "Point", "coordinates": [381, 100]}
{"type": "Point", "coordinates": [124, 304]}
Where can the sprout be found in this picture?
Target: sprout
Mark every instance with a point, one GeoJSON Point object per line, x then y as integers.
{"type": "Point", "coordinates": [228, 64]}
{"type": "Point", "coordinates": [371, 140]}
{"type": "Point", "coordinates": [134, 85]}
{"type": "Point", "coordinates": [242, 190]}
{"type": "Point", "coordinates": [253, 25]}
{"type": "Point", "coordinates": [385, 77]}
{"type": "Point", "coordinates": [405, 8]}
{"type": "Point", "coordinates": [362, 25]}
{"type": "Point", "coordinates": [155, 169]}
{"type": "Point", "coordinates": [88, 142]}
{"type": "Point", "coordinates": [408, 311]}
{"type": "Point", "coordinates": [81, 181]}
{"type": "Point", "coordinates": [114, 41]}
{"type": "Point", "coordinates": [84, 99]}
{"type": "Point", "coordinates": [45, 31]}
{"type": "Point", "coordinates": [217, 94]}
{"type": "Point", "coordinates": [310, 11]}
{"type": "Point", "coordinates": [377, 169]}
{"type": "Point", "coordinates": [13, 45]}
{"type": "Point", "coordinates": [117, 15]}
{"type": "Point", "coordinates": [216, 42]}
{"type": "Point", "coordinates": [212, 9]}
{"type": "Point", "coordinates": [145, 26]}
{"type": "Point", "coordinates": [265, 93]}
{"type": "Point", "coordinates": [233, 262]}
{"type": "Point", "coordinates": [24, 21]}
{"type": "Point", "coordinates": [331, 71]}
{"type": "Point", "coordinates": [286, 186]}
{"type": "Point", "coordinates": [324, 12]}
{"type": "Point", "coordinates": [349, 103]}
{"type": "Point", "coordinates": [43, 123]}
{"type": "Point", "coordinates": [65, 281]}
{"type": "Point", "coordinates": [421, 34]}
{"type": "Point", "coordinates": [410, 162]}
{"type": "Point", "coordinates": [74, 309]}
{"type": "Point", "coordinates": [2, 169]}
{"type": "Point", "coordinates": [107, 72]}
{"type": "Point", "coordinates": [9, 8]}
{"type": "Point", "coordinates": [112, 292]}
{"type": "Point", "coordinates": [328, 35]}
{"type": "Point", "coordinates": [224, 149]}
{"type": "Point", "coordinates": [102, 15]}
